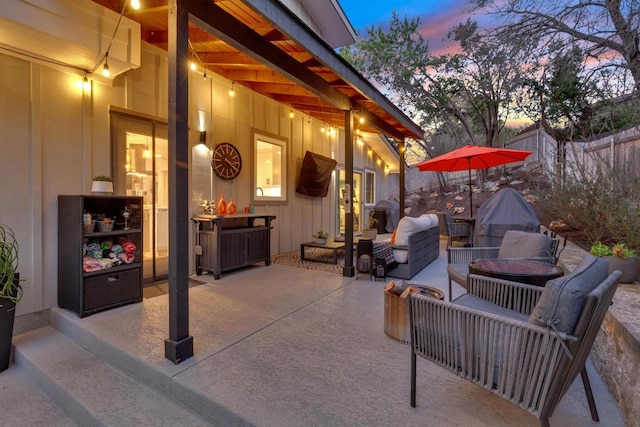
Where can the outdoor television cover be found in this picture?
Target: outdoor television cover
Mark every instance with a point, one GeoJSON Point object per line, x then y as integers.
{"type": "Point", "coordinates": [315, 175]}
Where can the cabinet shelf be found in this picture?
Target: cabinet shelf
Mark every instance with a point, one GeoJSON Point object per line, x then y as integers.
{"type": "Point", "coordinates": [83, 292]}
{"type": "Point", "coordinates": [115, 269]}
{"type": "Point", "coordinates": [111, 233]}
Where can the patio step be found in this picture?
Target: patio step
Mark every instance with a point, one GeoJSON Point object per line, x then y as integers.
{"type": "Point", "coordinates": [90, 390]}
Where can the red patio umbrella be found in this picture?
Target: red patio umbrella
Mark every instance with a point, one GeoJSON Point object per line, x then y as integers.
{"type": "Point", "coordinates": [472, 157]}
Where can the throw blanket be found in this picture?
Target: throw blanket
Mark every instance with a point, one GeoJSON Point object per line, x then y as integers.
{"type": "Point", "coordinates": [383, 250]}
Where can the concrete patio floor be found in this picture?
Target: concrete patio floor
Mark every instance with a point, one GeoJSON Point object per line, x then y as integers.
{"type": "Point", "coordinates": [274, 346]}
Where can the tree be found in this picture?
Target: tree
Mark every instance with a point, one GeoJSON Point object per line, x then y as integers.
{"type": "Point", "coordinates": [600, 27]}
{"type": "Point", "coordinates": [468, 93]}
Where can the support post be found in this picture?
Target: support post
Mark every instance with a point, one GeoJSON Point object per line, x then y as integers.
{"type": "Point", "coordinates": [401, 190]}
{"type": "Point", "coordinates": [179, 345]}
{"type": "Point", "coordinates": [348, 270]}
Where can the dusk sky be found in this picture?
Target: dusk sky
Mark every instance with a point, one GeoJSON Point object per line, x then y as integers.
{"type": "Point", "coordinates": [437, 16]}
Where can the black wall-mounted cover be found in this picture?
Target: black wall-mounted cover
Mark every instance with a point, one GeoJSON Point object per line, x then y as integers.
{"type": "Point", "coordinates": [315, 175]}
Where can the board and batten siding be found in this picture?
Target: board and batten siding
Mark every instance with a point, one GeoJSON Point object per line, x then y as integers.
{"type": "Point", "coordinates": [56, 137]}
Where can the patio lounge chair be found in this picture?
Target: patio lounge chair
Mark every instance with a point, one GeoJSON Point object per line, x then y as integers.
{"type": "Point", "coordinates": [515, 244]}
{"type": "Point", "coordinates": [498, 335]}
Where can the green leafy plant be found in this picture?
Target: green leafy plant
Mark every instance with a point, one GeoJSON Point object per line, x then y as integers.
{"type": "Point", "coordinates": [102, 178]}
{"type": "Point", "coordinates": [373, 221]}
{"type": "Point", "coordinates": [620, 250]}
{"type": "Point", "coordinates": [600, 249]}
{"type": "Point", "coordinates": [9, 282]}
{"type": "Point", "coordinates": [320, 235]}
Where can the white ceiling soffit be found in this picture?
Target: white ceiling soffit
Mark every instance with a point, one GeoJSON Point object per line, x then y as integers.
{"type": "Point", "coordinates": [333, 23]}
{"type": "Point", "coordinates": [73, 32]}
{"type": "Point", "coordinates": [384, 150]}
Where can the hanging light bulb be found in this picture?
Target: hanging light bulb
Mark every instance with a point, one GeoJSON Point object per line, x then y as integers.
{"type": "Point", "coordinates": [135, 4]}
{"type": "Point", "coordinates": [291, 114]}
{"type": "Point", "coordinates": [105, 69]}
{"type": "Point", "coordinates": [146, 154]}
{"type": "Point", "coordinates": [192, 65]}
{"type": "Point", "coordinates": [232, 91]}
{"type": "Point", "coordinates": [204, 75]}
{"type": "Point", "coordinates": [361, 119]}
{"type": "Point", "coordinates": [85, 84]}
{"type": "Point", "coordinates": [322, 129]}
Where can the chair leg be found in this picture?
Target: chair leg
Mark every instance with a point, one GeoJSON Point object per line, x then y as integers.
{"type": "Point", "coordinates": [589, 393]}
{"type": "Point", "coordinates": [413, 379]}
{"type": "Point", "coordinates": [450, 296]}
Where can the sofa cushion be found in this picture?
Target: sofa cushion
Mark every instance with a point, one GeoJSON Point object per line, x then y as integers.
{"type": "Point", "coordinates": [409, 225]}
{"type": "Point", "coordinates": [563, 298]}
{"type": "Point", "coordinates": [521, 244]}
{"type": "Point", "coordinates": [401, 255]}
{"type": "Point", "coordinates": [477, 303]}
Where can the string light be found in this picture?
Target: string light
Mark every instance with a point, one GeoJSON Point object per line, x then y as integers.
{"type": "Point", "coordinates": [232, 91]}
{"type": "Point", "coordinates": [105, 69]}
{"type": "Point", "coordinates": [135, 4]}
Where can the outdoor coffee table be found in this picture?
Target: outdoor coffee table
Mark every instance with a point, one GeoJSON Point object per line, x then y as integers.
{"type": "Point", "coordinates": [396, 313]}
{"type": "Point", "coordinates": [518, 270]}
{"type": "Point", "coordinates": [330, 245]}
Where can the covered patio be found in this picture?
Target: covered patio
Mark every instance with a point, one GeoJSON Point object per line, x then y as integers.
{"type": "Point", "coordinates": [278, 346]}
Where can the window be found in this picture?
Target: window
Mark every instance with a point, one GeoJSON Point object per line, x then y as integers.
{"type": "Point", "coordinates": [270, 169]}
{"type": "Point", "coordinates": [369, 187]}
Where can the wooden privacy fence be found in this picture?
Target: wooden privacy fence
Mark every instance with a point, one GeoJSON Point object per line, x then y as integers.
{"type": "Point", "coordinates": [621, 149]}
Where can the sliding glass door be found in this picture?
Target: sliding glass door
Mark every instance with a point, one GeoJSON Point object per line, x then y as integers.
{"type": "Point", "coordinates": [140, 147]}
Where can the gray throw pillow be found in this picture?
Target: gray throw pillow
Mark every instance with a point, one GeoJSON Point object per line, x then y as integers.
{"type": "Point", "coordinates": [521, 244]}
{"type": "Point", "coordinates": [563, 298]}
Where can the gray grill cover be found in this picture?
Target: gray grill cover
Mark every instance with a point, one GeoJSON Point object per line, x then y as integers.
{"type": "Point", "coordinates": [505, 210]}
{"type": "Point", "coordinates": [392, 208]}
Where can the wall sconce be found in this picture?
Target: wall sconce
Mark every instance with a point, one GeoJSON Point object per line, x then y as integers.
{"type": "Point", "coordinates": [379, 161]}
{"type": "Point", "coordinates": [203, 137]}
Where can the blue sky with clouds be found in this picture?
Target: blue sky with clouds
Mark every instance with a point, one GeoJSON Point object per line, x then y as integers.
{"type": "Point", "coordinates": [437, 17]}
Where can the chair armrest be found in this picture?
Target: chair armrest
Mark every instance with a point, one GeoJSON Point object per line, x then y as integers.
{"type": "Point", "coordinates": [466, 255]}
{"type": "Point", "coordinates": [515, 296]}
{"type": "Point", "coordinates": [405, 247]}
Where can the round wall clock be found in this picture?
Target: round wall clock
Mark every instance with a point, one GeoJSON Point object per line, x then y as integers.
{"type": "Point", "coordinates": [226, 161]}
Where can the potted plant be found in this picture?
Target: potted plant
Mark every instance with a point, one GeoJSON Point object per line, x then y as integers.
{"type": "Point", "coordinates": [102, 184]}
{"type": "Point", "coordinates": [619, 257]}
{"type": "Point", "coordinates": [320, 237]}
{"type": "Point", "coordinates": [10, 291]}
{"type": "Point", "coordinates": [372, 231]}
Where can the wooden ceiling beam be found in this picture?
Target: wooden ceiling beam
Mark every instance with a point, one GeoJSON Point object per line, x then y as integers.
{"type": "Point", "coordinates": [216, 21]}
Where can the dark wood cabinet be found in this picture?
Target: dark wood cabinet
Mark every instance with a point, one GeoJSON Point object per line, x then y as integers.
{"type": "Point", "coordinates": [87, 284]}
{"type": "Point", "coordinates": [229, 242]}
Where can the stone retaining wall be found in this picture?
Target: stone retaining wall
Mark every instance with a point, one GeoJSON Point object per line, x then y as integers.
{"type": "Point", "coordinates": [616, 351]}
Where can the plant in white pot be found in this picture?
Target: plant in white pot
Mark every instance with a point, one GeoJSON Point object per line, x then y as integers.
{"type": "Point", "coordinates": [102, 184]}
{"type": "Point", "coordinates": [10, 291]}
{"type": "Point", "coordinates": [619, 257]}
{"type": "Point", "coordinates": [320, 237]}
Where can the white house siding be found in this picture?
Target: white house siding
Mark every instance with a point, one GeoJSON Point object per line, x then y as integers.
{"type": "Point", "coordinates": [54, 138]}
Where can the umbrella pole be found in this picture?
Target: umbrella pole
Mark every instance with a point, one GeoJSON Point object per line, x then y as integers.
{"type": "Point", "coordinates": [470, 193]}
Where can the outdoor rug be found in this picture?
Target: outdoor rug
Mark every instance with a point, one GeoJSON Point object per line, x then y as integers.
{"type": "Point", "coordinates": [292, 259]}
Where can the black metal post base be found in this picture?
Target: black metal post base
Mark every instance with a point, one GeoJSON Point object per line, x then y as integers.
{"type": "Point", "coordinates": [177, 351]}
{"type": "Point", "coordinates": [349, 271]}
